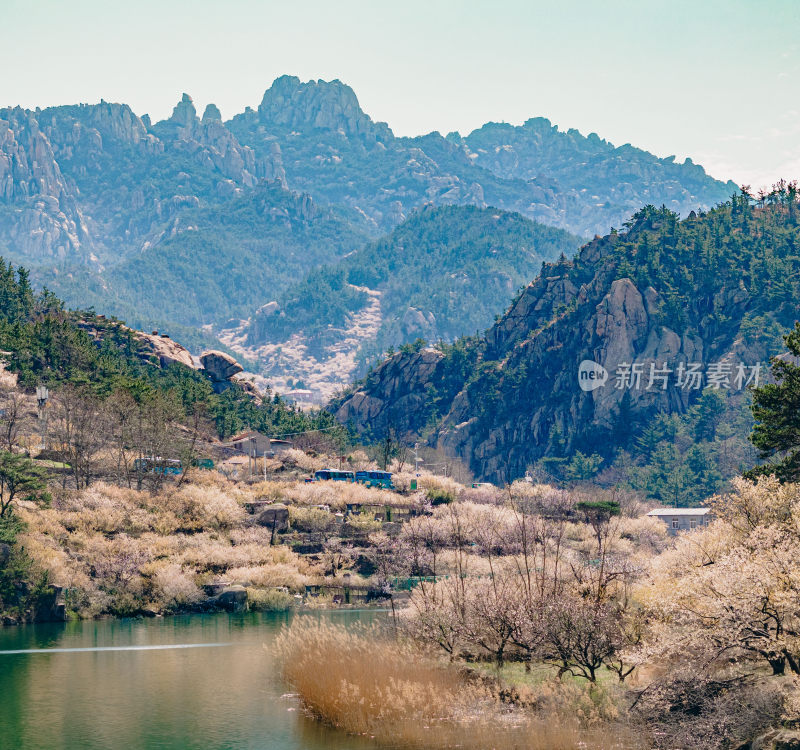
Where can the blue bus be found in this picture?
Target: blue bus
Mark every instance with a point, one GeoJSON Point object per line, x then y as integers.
{"type": "Point", "coordinates": [375, 479]}
{"type": "Point", "coordinates": [335, 475]}
{"type": "Point", "coordinates": [158, 465]}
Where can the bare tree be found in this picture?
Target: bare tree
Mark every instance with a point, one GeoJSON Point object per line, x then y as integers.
{"type": "Point", "coordinates": [80, 431]}
{"type": "Point", "coordinates": [336, 556]}
{"type": "Point", "coordinates": [582, 635]}
{"type": "Point", "coordinates": [155, 439]}
{"type": "Point", "coordinates": [12, 404]}
{"type": "Point", "coordinates": [121, 409]}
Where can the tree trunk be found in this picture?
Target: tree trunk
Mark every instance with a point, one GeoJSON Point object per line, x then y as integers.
{"type": "Point", "coordinates": [778, 664]}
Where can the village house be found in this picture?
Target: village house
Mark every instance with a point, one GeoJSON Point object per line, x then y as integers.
{"type": "Point", "coordinates": [683, 519]}
{"type": "Point", "coordinates": [253, 443]}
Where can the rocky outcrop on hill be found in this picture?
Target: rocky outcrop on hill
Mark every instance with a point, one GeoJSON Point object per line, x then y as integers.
{"type": "Point", "coordinates": [164, 348]}
{"type": "Point", "coordinates": [219, 365]}
{"type": "Point", "coordinates": [394, 395]}
{"type": "Point", "coordinates": [153, 348]}
{"type": "Point", "coordinates": [595, 347]}
{"type": "Point", "coordinates": [220, 368]}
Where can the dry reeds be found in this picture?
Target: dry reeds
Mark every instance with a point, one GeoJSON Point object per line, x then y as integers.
{"type": "Point", "coordinates": [365, 683]}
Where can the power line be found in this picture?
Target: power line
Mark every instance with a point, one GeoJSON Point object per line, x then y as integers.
{"type": "Point", "coordinates": [305, 432]}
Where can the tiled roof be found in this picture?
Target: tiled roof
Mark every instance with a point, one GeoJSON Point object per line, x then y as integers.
{"type": "Point", "coordinates": [679, 512]}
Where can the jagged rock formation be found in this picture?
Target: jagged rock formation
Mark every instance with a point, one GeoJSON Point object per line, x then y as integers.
{"type": "Point", "coordinates": [394, 394]}
{"type": "Point", "coordinates": [39, 216]}
{"type": "Point", "coordinates": [641, 307]}
{"type": "Point", "coordinates": [318, 105]}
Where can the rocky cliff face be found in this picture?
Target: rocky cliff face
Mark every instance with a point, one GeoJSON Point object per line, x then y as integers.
{"type": "Point", "coordinates": [594, 347]}
{"type": "Point", "coordinates": [96, 181]}
{"type": "Point", "coordinates": [39, 216]}
{"type": "Point", "coordinates": [394, 395]}
{"type": "Point", "coordinates": [337, 153]}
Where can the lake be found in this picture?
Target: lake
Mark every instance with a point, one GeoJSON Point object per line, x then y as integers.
{"type": "Point", "coordinates": [198, 682]}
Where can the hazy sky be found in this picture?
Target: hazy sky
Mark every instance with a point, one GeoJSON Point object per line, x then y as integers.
{"type": "Point", "coordinates": [715, 80]}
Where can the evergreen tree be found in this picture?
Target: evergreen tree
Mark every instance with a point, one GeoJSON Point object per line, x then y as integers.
{"type": "Point", "coordinates": [776, 408]}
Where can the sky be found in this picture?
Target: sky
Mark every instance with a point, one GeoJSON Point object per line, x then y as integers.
{"type": "Point", "coordinates": [716, 81]}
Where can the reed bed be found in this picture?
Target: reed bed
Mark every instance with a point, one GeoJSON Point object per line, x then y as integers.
{"type": "Point", "coordinates": [364, 682]}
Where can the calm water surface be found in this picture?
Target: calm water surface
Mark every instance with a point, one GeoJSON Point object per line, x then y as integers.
{"type": "Point", "coordinates": [199, 682]}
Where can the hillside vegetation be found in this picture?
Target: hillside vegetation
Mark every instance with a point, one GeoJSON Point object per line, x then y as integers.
{"type": "Point", "coordinates": [441, 274]}
{"type": "Point", "coordinates": [718, 287]}
{"type": "Point", "coordinates": [217, 263]}
{"type": "Point", "coordinates": [106, 362]}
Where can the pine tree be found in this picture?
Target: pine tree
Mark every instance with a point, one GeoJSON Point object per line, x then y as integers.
{"type": "Point", "coordinates": [776, 408]}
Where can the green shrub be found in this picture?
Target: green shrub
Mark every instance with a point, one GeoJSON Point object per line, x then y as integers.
{"type": "Point", "coordinates": [363, 522]}
{"type": "Point", "coordinates": [269, 600]}
{"type": "Point", "coordinates": [310, 519]}
{"type": "Point", "coordinates": [438, 496]}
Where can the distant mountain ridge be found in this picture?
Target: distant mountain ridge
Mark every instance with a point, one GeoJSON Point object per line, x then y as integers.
{"type": "Point", "coordinates": [157, 221]}
{"type": "Point", "coordinates": [115, 177]}
{"type": "Point", "coordinates": [582, 184]}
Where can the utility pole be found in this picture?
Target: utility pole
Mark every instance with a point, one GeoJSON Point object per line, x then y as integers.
{"type": "Point", "coordinates": [416, 459]}
{"type": "Point", "coordinates": [42, 394]}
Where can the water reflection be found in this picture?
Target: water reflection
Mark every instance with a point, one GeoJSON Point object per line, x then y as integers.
{"type": "Point", "coordinates": [118, 691]}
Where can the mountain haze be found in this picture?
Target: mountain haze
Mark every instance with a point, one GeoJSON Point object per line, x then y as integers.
{"type": "Point", "coordinates": [196, 223]}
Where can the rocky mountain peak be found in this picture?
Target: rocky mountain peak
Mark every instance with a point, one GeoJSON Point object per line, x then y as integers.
{"type": "Point", "coordinates": [212, 114]}
{"type": "Point", "coordinates": [184, 113]}
{"type": "Point", "coordinates": [318, 105]}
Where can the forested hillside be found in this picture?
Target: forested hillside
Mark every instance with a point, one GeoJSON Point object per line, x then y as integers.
{"type": "Point", "coordinates": [218, 263]}
{"type": "Point", "coordinates": [110, 366]}
{"type": "Point", "coordinates": [703, 301]}
{"type": "Point", "coordinates": [443, 273]}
